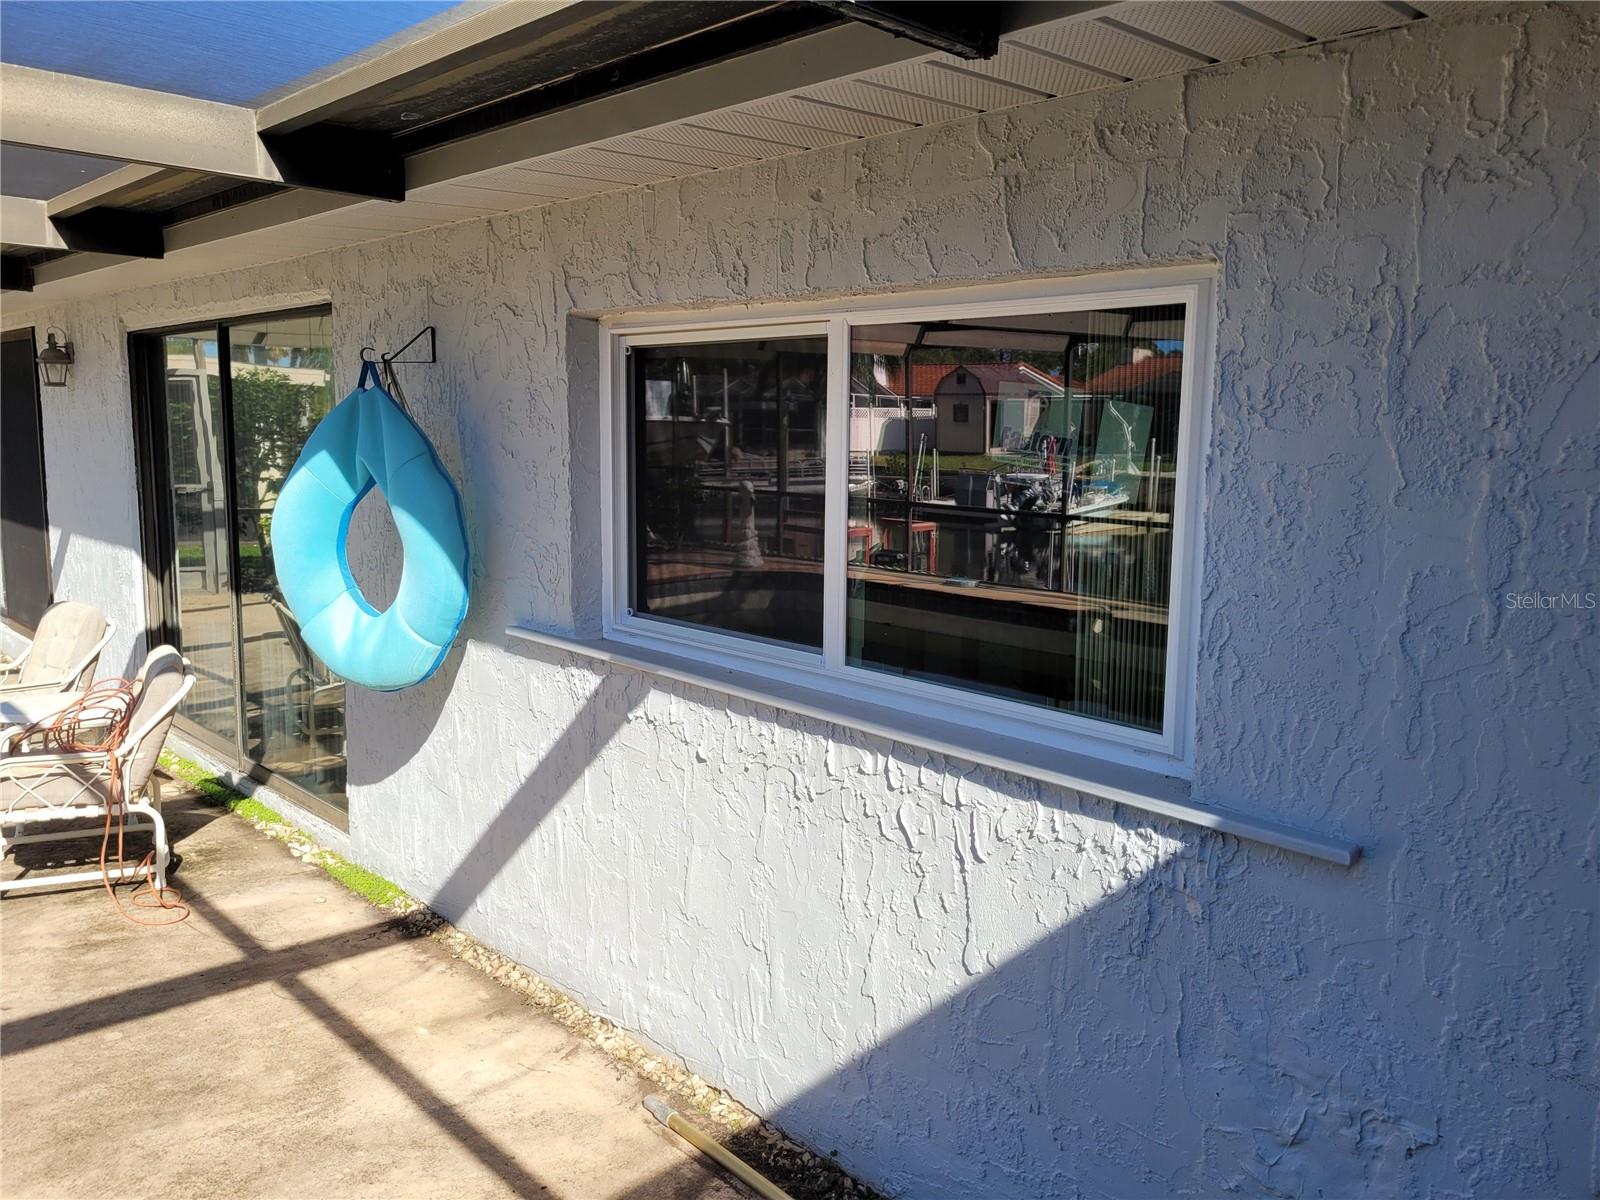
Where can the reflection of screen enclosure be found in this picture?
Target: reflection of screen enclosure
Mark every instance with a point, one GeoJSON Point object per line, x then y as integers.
{"type": "Point", "coordinates": [1012, 487]}
{"type": "Point", "coordinates": [728, 446]}
{"type": "Point", "coordinates": [1038, 568]}
{"type": "Point", "coordinates": [1124, 437]}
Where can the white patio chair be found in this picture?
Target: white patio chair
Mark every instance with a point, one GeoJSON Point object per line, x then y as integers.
{"type": "Point", "coordinates": [41, 785]}
{"type": "Point", "coordinates": [63, 654]}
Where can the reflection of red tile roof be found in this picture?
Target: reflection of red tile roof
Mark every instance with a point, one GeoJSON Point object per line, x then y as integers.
{"type": "Point", "coordinates": [926, 377]}
{"type": "Point", "coordinates": [992, 375]}
{"type": "Point", "coordinates": [1129, 377]}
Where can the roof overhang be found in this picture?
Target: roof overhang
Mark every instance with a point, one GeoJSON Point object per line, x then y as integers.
{"type": "Point", "coordinates": [538, 101]}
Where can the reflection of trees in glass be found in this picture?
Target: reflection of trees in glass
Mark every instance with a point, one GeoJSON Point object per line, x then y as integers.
{"type": "Point", "coordinates": [182, 435]}
{"type": "Point", "coordinates": [271, 417]}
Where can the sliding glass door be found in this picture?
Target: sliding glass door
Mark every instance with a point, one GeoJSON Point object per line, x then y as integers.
{"type": "Point", "coordinates": [223, 411]}
{"type": "Point", "coordinates": [198, 504]}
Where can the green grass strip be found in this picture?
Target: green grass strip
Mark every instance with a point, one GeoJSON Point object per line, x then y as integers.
{"type": "Point", "coordinates": [371, 887]}
{"type": "Point", "coordinates": [374, 889]}
{"type": "Point", "coordinates": [215, 790]}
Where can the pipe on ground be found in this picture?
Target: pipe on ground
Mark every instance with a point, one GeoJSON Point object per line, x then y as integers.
{"type": "Point", "coordinates": [714, 1150]}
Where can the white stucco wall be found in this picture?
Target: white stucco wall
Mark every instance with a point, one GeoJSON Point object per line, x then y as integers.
{"type": "Point", "coordinates": [966, 984]}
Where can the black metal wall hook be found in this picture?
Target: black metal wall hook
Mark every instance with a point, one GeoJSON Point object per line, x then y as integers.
{"type": "Point", "coordinates": [393, 357]}
{"type": "Point", "coordinates": [427, 331]}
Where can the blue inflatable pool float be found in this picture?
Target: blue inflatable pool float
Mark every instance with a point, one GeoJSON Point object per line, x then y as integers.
{"type": "Point", "coordinates": [368, 441]}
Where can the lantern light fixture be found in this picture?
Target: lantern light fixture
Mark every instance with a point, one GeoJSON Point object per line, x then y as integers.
{"type": "Point", "coordinates": [55, 360]}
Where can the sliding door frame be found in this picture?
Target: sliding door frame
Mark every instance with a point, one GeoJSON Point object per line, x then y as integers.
{"type": "Point", "coordinates": [147, 369]}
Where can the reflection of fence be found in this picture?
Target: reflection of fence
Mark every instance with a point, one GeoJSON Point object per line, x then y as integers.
{"type": "Point", "coordinates": [761, 470]}
{"type": "Point", "coordinates": [883, 429]}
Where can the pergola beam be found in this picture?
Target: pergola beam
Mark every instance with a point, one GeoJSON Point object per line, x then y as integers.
{"type": "Point", "coordinates": [472, 39]}
{"type": "Point", "coordinates": [28, 223]}
{"type": "Point", "coordinates": [25, 222]}
{"type": "Point", "coordinates": [15, 274]}
{"type": "Point", "coordinates": [964, 30]}
{"type": "Point", "coordinates": [53, 111]}
{"type": "Point", "coordinates": [278, 211]}
{"type": "Point", "coordinates": [797, 63]}
{"type": "Point", "coordinates": [546, 121]}
{"type": "Point", "coordinates": [296, 142]}
{"type": "Point", "coordinates": [569, 122]}
{"type": "Point", "coordinates": [464, 40]}
{"type": "Point", "coordinates": [112, 231]}
{"type": "Point", "coordinates": [112, 189]}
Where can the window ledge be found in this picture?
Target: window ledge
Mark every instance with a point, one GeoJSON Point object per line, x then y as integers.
{"type": "Point", "coordinates": [1145, 790]}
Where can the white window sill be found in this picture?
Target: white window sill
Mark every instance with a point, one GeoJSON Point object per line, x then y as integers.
{"type": "Point", "coordinates": [1145, 790]}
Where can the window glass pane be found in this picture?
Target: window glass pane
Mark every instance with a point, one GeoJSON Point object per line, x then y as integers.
{"type": "Point", "coordinates": [196, 452]}
{"type": "Point", "coordinates": [293, 705]}
{"type": "Point", "coordinates": [727, 445]}
{"type": "Point", "coordinates": [1012, 488]}
{"type": "Point", "coordinates": [24, 528]}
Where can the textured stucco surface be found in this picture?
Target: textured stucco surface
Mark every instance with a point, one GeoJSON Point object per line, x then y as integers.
{"type": "Point", "coordinates": [966, 984]}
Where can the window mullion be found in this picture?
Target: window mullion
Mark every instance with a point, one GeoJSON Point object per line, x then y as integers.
{"type": "Point", "coordinates": [836, 492]}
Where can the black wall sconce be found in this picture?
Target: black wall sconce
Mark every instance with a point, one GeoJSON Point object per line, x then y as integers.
{"type": "Point", "coordinates": [55, 360]}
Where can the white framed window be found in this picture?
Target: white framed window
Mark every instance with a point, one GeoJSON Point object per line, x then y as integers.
{"type": "Point", "coordinates": [790, 493]}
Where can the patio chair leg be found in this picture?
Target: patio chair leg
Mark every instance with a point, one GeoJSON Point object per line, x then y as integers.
{"type": "Point", "coordinates": [159, 828]}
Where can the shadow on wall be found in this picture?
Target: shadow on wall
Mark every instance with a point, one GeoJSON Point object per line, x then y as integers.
{"type": "Point", "coordinates": [140, 637]}
{"type": "Point", "coordinates": [584, 457]}
{"type": "Point", "coordinates": [604, 712]}
{"type": "Point", "coordinates": [1026, 1082]}
{"type": "Point", "coordinates": [58, 559]}
{"type": "Point", "coordinates": [1169, 1038]}
{"type": "Point", "coordinates": [1100, 1062]}
{"type": "Point", "coordinates": [1021, 1084]}
{"type": "Point", "coordinates": [405, 721]}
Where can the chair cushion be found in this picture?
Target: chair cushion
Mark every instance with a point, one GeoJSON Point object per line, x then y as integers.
{"type": "Point", "coordinates": [159, 680]}
{"type": "Point", "coordinates": [67, 632]}
{"type": "Point", "coordinates": [26, 786]}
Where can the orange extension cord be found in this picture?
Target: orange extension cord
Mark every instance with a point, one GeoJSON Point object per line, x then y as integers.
{"type": "Point", "coordinates": [98, 721]}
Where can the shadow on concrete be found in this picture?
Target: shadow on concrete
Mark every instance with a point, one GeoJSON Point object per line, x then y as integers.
{"type": "Point", "coordinates": [185, 813]}
{"type": "Point", "coordinates": [285, 969]}
{"type": "Point", "coordinates": [555, 774]}
{"type": "Point", "coordinates": [264, 966]}
{"type": "Point", "coordinates": [428, 1102]}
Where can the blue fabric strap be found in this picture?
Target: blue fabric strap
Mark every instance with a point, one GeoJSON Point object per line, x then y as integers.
{"type": "Point", "coordinates": [369, 371]}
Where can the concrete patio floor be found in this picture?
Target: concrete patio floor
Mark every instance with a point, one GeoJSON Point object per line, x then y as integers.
{"type": "Point", "coordinates": [289, 1040]}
